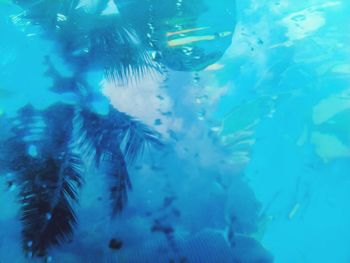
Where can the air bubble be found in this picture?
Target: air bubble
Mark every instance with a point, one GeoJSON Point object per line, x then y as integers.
{"type": "Point", "coordinates": [48, 216]}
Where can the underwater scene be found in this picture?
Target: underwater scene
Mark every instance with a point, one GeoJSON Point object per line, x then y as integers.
{"type": "Point", "coordinates": [175, 131]}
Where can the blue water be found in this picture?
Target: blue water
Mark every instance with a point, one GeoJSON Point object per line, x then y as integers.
{"type": "Point", "coordinates": [238, 117]}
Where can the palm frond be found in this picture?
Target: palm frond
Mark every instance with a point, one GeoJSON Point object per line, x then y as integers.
{"type": "Point", "coordinates": [125, 57]}
{"type": "Point", "coordinates": [96, 132]}
{"type": "Point", "coordinates": [107, 43]}
{"type": "Point", "coordinates": [91, 40]}
{"type": "Point", "coordinates": [49, 170]}
{"type": "Point", "coordinates": [136, 136]}
{"type": "Point", "coordinates": [98, 141]}
{"type": "Point", "coordinates": [47, 196]}
{"type": "Point", "coordinates": [115, 168]}
{"type": "Point", "coordinates": [91, 135]}
{"type": "Point", "coordinates": [113, 142]}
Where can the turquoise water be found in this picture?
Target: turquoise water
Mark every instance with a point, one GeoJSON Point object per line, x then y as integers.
{"type": "Point", "coordinates": [174, 131]}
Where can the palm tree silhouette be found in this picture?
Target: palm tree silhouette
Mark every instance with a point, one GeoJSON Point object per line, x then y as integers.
{"type": "Point", "coordinates": [49, 149]}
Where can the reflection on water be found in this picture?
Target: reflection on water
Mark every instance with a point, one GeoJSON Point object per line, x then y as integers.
{"type": "Point", "coordinates": [174, 131]}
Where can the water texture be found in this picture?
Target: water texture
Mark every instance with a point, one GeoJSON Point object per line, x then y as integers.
{"type": "Point", "coordinates": [174, 131]}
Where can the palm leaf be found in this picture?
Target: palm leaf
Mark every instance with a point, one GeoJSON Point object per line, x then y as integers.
{"type": "Point", "coordinates": [114, 166]}
{"type": "Point", "coordinates": [136, 136]}
{"type": "Point", "coordinates": [97, 131]}
{"type": "Point", "coordinates": [112, 142]}
{"type": "Point", "coordinates": [49, 175]}
{"type": "Point", "coordinates": [124, 58]}
{"type": "Point", "coordinates": [91, 40]}
{"type": "Point", "coordinates": [47, 195]}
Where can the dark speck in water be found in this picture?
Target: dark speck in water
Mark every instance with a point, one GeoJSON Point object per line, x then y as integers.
{"type": "Point", "coordinates": [158, 122]}
{"type": "Point", "coordinates": [115, 244]}
{"type": "Point", "coordinates": [158, 227]}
